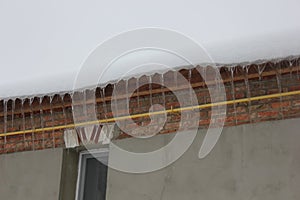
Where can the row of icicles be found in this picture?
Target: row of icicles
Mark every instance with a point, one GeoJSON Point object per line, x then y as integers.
{"type": "Point", "coordinates": [29, 101]}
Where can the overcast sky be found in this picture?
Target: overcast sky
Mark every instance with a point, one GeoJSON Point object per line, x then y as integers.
{"type": "Point", "coordinates": [39, 38]}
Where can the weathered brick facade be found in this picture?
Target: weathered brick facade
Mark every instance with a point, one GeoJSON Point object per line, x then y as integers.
{"type": "Point", "coordinates": [240, 82]}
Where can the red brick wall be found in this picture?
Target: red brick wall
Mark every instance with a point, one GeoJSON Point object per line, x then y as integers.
{"type": "Point", "coordinates": [282, 75]}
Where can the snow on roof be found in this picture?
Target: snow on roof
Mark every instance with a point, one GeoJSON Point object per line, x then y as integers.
{"type": "Point", "coordinates": [225, 53]}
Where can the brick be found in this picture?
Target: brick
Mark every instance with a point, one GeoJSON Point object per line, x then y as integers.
{"type": "Point", "coordinates": [268, 114]}
{"type": "Point", "coordinates": [280, 104]}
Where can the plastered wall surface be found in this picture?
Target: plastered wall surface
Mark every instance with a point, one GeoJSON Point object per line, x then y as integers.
{"type": "Point", "coordinates": [33, 175]}
{"type": "Point", "coordinates": [254, 161]}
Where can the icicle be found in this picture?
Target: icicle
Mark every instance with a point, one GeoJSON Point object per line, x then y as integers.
{"type": "Point", "coordinates": [248, 91]}
{"type": "Point", "coordinates": [233, 93]}
{"type": "Point", "coordinates": [291, 68]}
{"type": "Point", "coordinates": [23, 119]}
{"type": "Point", "coordinates": [278, 78]}
{"type": "Point", "coordinates": [32, 123]}
{"type": "Point", "coordinates": [137, 93]}
{"type": "Point", "coordinates": [97, 105]}
{"type": "Point", "coordinates": [219, 81]}
{"type": "Point", "coordinates": [191, 87]}
{"type": "Point", "coordinates": [52, 121]}
{"type": "Point", "coordinates": [42, 121]}
{"type": "Point", "coordinates": [64, 109]}
{"type": "Point", "coordinates": [5, 121]}
{"type": "Point", "coordinates": [298, 66]}
{"type": "Point", "coordinates": [163, 91]}
{"type": "Point", "coordinates": [150, 90]}
{"type": "Point", "coordinates": [13, 113]}
{"type": "Point", "coordinates": [261, 70]}
{"type": "Point", "coordinates": [203, 74]}
{"type": "Point", "coordinates": [127, 96]}
{"type": "Point", "coordinates": [102, 94]}
{"type": "Point", "coordinates": [176, 79]}
{"type": "Point", "coordinates": [115, 93]}
{"type": "Point", "coordinates": [84, 104]}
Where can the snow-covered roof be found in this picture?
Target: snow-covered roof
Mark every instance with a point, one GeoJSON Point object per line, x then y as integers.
{"type": "Point", "coordinates": [42, 50]}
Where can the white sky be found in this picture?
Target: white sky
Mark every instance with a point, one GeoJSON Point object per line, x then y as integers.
{"type": "Point", "coordinates": [45, 40]}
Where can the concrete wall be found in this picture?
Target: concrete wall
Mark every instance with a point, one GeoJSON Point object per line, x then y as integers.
{"type": "Point", "coordinates": [31, 175]}
{"type": "Point", "coordinates": [257, 162]}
